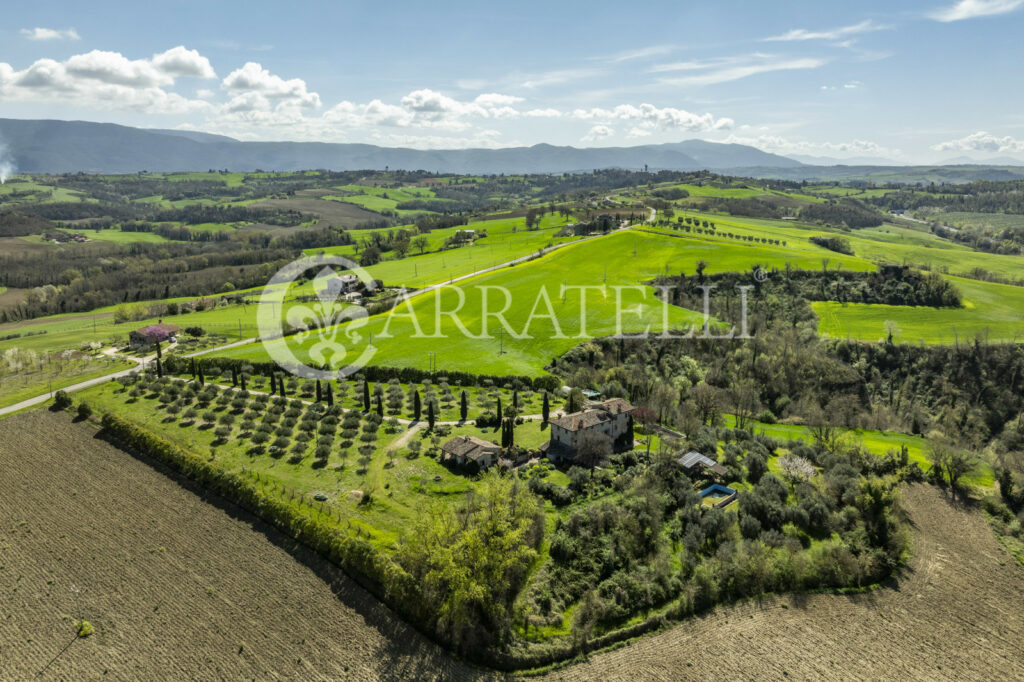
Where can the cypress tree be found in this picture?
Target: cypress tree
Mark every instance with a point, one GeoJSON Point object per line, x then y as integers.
{"type": "Point", "coordinates": [515, 399]}
{"type": "Point", "coordinates": [234, 377]}
{"type": "Point", "coordinates": [546, 410]}
{"type": "Point", "coordinates": [241, 379]}
{"type": "Point", "coordinates": [202, 379]}
{"type": "Point", "coordinates": [273, 384]}
{"type": "Point", "coordinates": [464, 406]}
{"type": "Point", "coordinates": [330, 395]}
{"type": "Point", "coordinates": [319, 391]}
{"type": "Point", "coordinates": [500, 413]}
{"type": "Point", "coordinates": [159, 368]}
{"type": "Point", "coordinates": [280, 385]}
{"type": "Point", "coordinates": [431, 417]}
{"type": "Point", "coordinates": [417, 407]}
{"type": "Point", "coordinates": [366, 396]}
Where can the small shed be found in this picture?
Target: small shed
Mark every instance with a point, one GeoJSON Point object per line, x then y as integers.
{"type": "Point", "coordinates": [695, 464]}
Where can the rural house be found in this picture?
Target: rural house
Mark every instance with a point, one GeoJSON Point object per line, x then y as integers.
{"type": "Point", "coordinates": [612, 418]}
{"type": "Point", "coordinates": [466, 450]}
{"type": "Point", "coordinates": [342, 284]}
{"type": "Point", "coordinates": [154, 333]}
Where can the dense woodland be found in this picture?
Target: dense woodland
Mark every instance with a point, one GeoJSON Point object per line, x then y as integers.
{"type": "Point", "coordinates": [980, 196]}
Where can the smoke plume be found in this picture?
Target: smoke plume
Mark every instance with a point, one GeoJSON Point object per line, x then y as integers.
{"type": "Point", "coordinates": [6, 163]}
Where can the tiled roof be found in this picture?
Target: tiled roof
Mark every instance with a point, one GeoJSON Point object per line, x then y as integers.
{"type": "Point", "coordinates": [596, 413]}
{"type": "Point", "coordinates": [470, 447]}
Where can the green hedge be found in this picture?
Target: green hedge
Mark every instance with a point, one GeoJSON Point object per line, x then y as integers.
{"type": "Point", "coordinates": [357, 557]}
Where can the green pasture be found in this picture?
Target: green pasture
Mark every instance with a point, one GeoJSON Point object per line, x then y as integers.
{"type": "Point", "coordinates": [117, 236]}
{"type": "Point", "coordinates": [995, 311]}
{"type": "Point", "coordinates": [621, 259]}
{"type": "Point", "coordinates": [873, 441]}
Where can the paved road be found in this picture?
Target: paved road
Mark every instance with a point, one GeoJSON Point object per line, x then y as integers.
{"type": "Point", "coordinates": [141, 361]}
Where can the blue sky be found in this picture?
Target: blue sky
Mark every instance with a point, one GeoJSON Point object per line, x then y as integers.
{"type": "Point", "coordinates": [910, 82]}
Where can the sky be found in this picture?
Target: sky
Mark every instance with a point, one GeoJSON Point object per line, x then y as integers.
{"type": "Point", "coordinates": [909, 82]}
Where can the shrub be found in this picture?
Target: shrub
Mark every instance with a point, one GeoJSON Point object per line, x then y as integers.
{"type": "Point", "coordinates": [61, 400]}
{"type": "Point", "coordinates": [84, 411]}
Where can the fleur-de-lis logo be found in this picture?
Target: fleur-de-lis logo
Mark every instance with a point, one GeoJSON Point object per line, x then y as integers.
{"type": "Point", "coordinates": [322, 319]}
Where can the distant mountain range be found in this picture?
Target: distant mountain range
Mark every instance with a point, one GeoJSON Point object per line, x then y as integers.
{"type": "Point", "coordinates": [47, 146]}
{"type": "Point", "coordinates": [71, 146]}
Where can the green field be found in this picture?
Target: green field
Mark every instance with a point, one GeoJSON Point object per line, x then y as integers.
{"type": "Point", "coordinates": [620, 259]}
{"type": "Point", "coordinates": [52, 377]}
{"type": "Point", "coordinates": [995, 311]}
{"type": "Point", "coordinates": [876, 442]}
{"type": "Point", "coordinates": [117, 236]}
{"type": "Point", "coordinates": [401, 486]}
{"type": "Point", "coordinates": [999, 221]}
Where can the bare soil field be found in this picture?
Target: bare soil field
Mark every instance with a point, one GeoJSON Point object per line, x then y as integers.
{"type": "Point", "coordinates": [333, 212]}
{"type": "Point", "coordinates": [957, 614]}
{"type": "Point", "coordinates": [177, 588]}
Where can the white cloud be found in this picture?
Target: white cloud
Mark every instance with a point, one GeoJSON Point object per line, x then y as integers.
{"type": "Point", "coordinates": [830, 34]}
{"type": "Point", "coordinates": [543, 113]}
{"type": "Point", "coordinates": [100, 80]}
{"type": "Point", "coordinates": [852, 85]}
{"type": "Point", "coordinates": [723, 70]}
{"type": "Point", "coordinates": [969, 9]}
{"type": "Point", "coordinates": [636, 132]}
{"type": "Point", "coordinates": [981, 142]}
{"type": "Point", "coordinates": [50, 34]}
{"type": "Point", "coordinates": [179, 61]}
{"type": "Point", "coordinates": [253, 78]}
{"type": "Point", "coordinates": [494, 99]}
{"type": "Point", "coordinates": [781, 145]}
{"type": "Point", "coordinates": [598, 132]}
{"type": "Point", "coordinates": [651, 116]}
{"type": "Point", "coordinates": [639, 53]}
{"type": "Point", "coordinates": [116, 69]}
{"type": "Point", "coordinates": [557, 77]}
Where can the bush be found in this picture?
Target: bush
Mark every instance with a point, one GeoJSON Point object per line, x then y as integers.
{"type": "Point", "coordinates": [61, 400]}
{"type": "Point", "coordinates": [84, 411]}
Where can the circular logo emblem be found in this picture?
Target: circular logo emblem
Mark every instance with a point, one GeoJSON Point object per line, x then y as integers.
{"type": "Point", "coordinates": [321, 320]}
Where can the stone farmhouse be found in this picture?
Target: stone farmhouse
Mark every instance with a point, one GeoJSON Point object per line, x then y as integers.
{"type": "Point", "coordinates": [612, 418]}
{"type": "Point", "coordinates": [467, 450]}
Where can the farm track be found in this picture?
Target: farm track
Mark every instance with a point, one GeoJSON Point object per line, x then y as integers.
{"type": "Point", "coordinates": [956, 615]}
{"type": "Point", "coordinates": [181, 587]}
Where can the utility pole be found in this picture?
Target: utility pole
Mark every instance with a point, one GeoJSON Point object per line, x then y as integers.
{"type": "Point", "coordinates": [501, 341]}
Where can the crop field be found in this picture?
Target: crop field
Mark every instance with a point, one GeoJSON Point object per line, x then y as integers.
{"type": "Point", "coordinates": [995, 311]}
{"type": "Point", "coordinates": [54, 375]}
{"type": "Point", "coordinates": [333, 212]}
{"type": "Point", "coordinates": [175, 584]}
{"type": "Point", "coordinates": [624, 259]}
{"type": "Point", "coordinates": [117, 236]}
{"type": "Point", "coordinates": [952, 615]}
{"type": "Point", "coordinates": [400, 484]}
{"type": "Point", "coordinates": [999, 221]}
